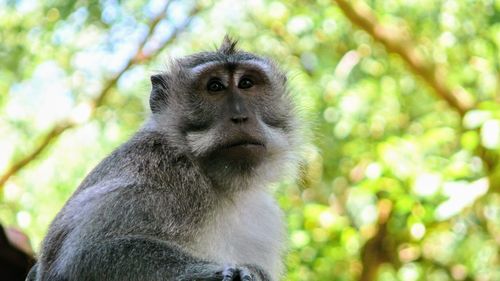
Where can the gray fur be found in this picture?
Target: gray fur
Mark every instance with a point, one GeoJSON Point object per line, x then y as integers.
{"type": "Point", "coordinates": [161, 207]}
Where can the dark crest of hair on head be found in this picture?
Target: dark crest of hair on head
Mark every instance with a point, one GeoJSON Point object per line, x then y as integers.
{"type": "Point", "coordinates": [228, 46]}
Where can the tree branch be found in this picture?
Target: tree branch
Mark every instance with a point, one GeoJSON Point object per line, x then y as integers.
{"type": "Point", "coordinates": [374, 253]}
{"type": "Point", "coordinates": [376, 250]}
{"type": "Point", "coordinates": [364, 18]}
{"type": "Point", "coordinates": [139, 57]}
{"type": "Point", "coordinates": [52, 135]}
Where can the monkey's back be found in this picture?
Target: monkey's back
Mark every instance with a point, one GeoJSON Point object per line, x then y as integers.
{"type": "Point", "coordinates": [142, 188]}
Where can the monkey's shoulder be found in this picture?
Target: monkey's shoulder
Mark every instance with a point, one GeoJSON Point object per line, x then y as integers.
{"type": "Point", "coordinates": [147, 156]}
{"type": "Point", "coordinates": [145, 179]}
{"type": "Point", "coordinates": [130, 209]}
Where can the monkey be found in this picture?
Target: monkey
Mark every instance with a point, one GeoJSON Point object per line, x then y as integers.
{"type": "Point", "coordinates": [187, 197]}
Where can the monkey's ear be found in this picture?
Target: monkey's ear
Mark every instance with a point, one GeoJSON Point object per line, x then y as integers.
{"type": "Point", "coordinates": [158, 80]}
{"type": "Point", "coordinates": [158, 97]}
{"type": "Point", "coordinates": [284, 79]}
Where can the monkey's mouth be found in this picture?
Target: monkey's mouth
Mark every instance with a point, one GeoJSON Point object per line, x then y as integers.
{"type": "Point", "coordinates": [243, 143]}
{"type": "Point", "coordinates": [241, 151]}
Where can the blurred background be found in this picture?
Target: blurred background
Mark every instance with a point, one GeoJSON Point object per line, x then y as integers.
{"type": "Point", "coordinates": [401, 178]}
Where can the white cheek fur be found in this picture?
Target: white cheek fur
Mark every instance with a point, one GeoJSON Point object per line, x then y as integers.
{"type": "Point", "coordinates": [201, 142]}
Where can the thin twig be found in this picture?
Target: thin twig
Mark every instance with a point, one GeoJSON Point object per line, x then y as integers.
{"type": "Point", "coordinates": [108, 85]}
{"type": "Point", "coordinates": [52, 135]}
{"type": "Point", "coordinates": [138, 58]}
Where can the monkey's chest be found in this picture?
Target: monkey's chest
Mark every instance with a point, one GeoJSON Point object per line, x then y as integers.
{"type": "Point", "coordinates": [248, 231]}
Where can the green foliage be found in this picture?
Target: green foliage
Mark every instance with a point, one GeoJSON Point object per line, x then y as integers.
{"type": "Point", "coordinates": [394, 178]}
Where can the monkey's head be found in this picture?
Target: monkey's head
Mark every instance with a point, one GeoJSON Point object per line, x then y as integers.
{"type": "Point", "coordinates": [230, 111]}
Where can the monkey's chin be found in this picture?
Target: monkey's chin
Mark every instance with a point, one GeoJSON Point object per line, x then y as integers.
{"type": "Point", "coordinates": [234, 159]}
{"type": "Point", "coordinates": [243, 153]}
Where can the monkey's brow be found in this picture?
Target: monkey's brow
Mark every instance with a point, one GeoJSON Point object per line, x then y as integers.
{"type": "Point", "coordinates": [255, 64]}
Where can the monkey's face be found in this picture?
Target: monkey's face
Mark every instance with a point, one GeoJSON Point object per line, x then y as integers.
{"type": "Point", "coordinates": [231, 113]}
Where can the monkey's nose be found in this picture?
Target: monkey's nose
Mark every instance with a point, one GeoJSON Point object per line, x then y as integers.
{"type": "Point", "coordinates": [240, 118]}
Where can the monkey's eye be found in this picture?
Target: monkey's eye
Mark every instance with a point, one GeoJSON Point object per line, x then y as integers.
{"type": "Point", "coordinates": [215, 86]}
{"type": "Point", "coordinates": [245, 83]}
